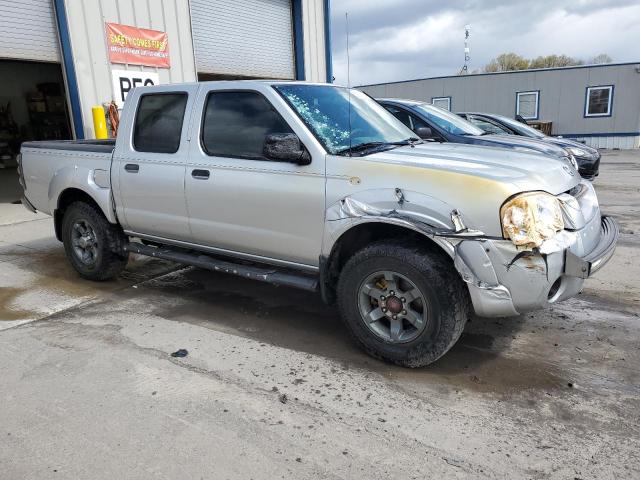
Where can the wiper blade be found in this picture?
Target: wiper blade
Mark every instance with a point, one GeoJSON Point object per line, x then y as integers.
{"type": "Point", "coordinates": [360, 147]}
{"type": "Point", "coordinates": [370, 145]}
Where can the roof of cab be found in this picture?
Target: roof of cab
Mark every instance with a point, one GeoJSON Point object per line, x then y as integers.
{"type": "Point", "coordinates": [236, 83]}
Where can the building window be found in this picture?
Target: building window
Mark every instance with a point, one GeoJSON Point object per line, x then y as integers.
{"type": "Point", "coordinates": [599, 101]}
{"type": "Point", "coordinates": [442, 102]}
{"type": "Point", "coordinates": [527, 104]}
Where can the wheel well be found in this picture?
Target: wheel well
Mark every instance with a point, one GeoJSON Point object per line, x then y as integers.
{"type": "Point", "coordinates": [359, 237]}
{"type": "Point", "coordinates": [66, 198]}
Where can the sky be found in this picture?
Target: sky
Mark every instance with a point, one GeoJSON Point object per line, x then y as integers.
{"type": "Point", "coordinates": [393, 40]}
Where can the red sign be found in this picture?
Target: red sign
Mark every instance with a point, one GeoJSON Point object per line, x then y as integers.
{"type": "Point", "coordinates": [137, 46]}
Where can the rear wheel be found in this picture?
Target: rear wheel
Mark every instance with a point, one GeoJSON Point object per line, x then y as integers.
{"type": "Point", "coordinates": [402, 304]}
{"type": "Point", "coordinates": [92, 244]}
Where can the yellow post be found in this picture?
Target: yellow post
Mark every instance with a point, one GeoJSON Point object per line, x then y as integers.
{"type": "Point", "coordinates": [99, 122]}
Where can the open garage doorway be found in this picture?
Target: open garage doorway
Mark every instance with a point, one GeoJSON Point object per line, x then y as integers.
{"type": "Point", "coordinates": [33, 106]}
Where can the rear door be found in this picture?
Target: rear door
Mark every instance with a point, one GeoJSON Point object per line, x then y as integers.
{"type": "Point", "coordinates": [150, 159]}
{"type": "Point", "coordinates": [240, 201]}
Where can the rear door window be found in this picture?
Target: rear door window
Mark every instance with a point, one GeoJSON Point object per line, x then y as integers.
{"type": "Point", "coordinates": [236, 124]}
{"type": "Point", "coordinates": [400, 115]}
{"type": "Point", "coordinates": [158, 123]}
{"type": "Point", "coordinates": [487, 125]}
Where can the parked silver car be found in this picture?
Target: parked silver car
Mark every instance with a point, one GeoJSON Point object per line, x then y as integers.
{"type": "Point", "coordinates": [319, 187]}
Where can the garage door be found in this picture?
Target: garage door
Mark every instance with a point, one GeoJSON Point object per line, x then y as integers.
{"type": "Point", "coordinates": [249, 38]}
{"type": "Point", "coordinates": [28, 30]}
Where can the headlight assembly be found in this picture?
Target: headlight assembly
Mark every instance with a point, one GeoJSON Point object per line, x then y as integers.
{"type": "Point", "coordinates": [573, 161]}
{"type": "Point", "coordinates": [578, 152]}
{"type": "Point", "coordinates": [528, 219]}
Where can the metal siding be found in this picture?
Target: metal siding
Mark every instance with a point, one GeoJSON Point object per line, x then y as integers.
{"type": "Point", "coordinates": [249, 38]}
{"type": "Point", "coordinates": [314, 40]}
{"type": "Point", "coordinates": [28, 30]}
{"type": "Point", "coordinates": [88, 41]}
{"type": "Point", "coordinates": [562, 97]}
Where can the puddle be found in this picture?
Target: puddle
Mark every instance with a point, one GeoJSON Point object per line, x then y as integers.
{"type": "Point", "coordinates": [7, 312]}
{"type": "Point", "coordinates": [49, 272]}
{"type": "Point", "coordinates": [298, 320]}
{"type": "Point", "coordinates": [466, 367]}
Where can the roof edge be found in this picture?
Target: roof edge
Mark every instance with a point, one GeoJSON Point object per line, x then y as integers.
{"type": "Point", "coordinates": [510, 72]}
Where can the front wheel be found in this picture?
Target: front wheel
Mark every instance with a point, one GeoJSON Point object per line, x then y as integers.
{"type": "Point", "coordinates": [402, 304]}
{"type": "Point", "coordinates": [92, 244]}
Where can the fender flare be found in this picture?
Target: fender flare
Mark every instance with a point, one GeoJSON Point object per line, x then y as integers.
{"type": "Point", "coordinates": [83, 179]}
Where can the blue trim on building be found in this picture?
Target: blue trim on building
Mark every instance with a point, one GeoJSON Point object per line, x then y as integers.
{"type": "Point", "coordinates": [298, 38]}
{"type": "Point", "coordinates": [612, 134]}
{"type": "Point", "coordinates": [327, 41]}
{"type": "Point", "coordinates": [537, 92]}
{"type": "Point", "coordinates": [511, 72]}
{"type": "Point", "coordinates": [586, 100]}
{"type": "Point", "coordinates": [69, 69]}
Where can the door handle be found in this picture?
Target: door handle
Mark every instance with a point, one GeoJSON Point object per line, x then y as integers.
{"type": "Point", "coordinates": [132, 167]}
{"type": "Point", "coordinates": [200, 174]}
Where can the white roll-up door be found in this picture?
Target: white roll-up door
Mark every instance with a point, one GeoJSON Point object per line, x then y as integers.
{"type": "Point", "coordinates": [246, 38]}
{"type": "Point", "coordinates": [28, 30]}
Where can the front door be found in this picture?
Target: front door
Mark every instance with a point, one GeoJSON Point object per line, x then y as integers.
{"type": "Point", "coordinates": [150, 164]}
{"type": "Point", "coordinates": [240, 201]}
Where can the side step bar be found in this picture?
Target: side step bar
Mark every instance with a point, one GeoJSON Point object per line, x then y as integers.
{"type": "Point", "coordinates": [266, 274]}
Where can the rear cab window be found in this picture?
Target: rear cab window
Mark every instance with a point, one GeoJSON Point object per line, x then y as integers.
{"type": "Point", "coordinates": [236, 123]}
{"type": "Point", "coordinates": [158, 122]}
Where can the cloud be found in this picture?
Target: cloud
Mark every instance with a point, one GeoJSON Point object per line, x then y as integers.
{"type": "Point", "coordinates": [403, 39]}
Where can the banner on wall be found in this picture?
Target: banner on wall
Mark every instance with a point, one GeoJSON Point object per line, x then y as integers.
{"type": "Point", "coordinates": [137, 46]}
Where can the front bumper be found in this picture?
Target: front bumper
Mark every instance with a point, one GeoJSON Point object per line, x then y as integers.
{"type": "Point", "coordinates": [589, 167]}
{"type": "Point", "coordinates": [575, 266]}
{"type": "Point", "coordinates": [503, 283]}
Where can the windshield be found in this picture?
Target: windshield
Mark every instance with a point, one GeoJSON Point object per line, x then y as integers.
{"type": "Point", "coordinates": [325, 110]}
{"type": "Point", "coordinates": [448, 121]}
{"type": "Point", "coordinates": [520, 127]}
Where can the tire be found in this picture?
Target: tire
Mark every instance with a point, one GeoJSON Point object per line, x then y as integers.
{"type": "Point", "coordinates": [92, 244]}
{"type": "Point", "coordinates": [443, 303]}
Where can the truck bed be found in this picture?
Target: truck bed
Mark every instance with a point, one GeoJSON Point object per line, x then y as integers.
{"type": "Point", "coordinates": [97, 146]}
{"type": "Point", "coordinates": [49, 167]}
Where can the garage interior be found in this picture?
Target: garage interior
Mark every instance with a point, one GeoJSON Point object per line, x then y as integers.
{"type": "Point", "coordinates": [33, 106]}
{"type": "Point", "coordinates": [33, 101]}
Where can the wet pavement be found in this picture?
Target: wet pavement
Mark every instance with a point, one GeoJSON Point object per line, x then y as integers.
{"type": "Point", "coordinates": [273, 388]}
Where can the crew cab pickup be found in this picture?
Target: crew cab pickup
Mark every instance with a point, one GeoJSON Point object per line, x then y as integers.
{"type": "Point", "coordinates": [318, 187]}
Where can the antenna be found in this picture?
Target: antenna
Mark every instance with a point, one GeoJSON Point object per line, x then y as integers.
{"type": "Point", "coordinates": [467, 57]}
{"type": "Point", "coordinates": [346, 18]}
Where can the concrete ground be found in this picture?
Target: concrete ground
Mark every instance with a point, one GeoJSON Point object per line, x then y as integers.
{"type": "Point", "coordinates": [273, 388]}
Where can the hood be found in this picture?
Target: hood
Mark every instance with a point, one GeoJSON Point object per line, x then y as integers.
{"type": "Point", "coordinates": [533, 144]}
{"type": "Point", "coordinates": [524, 171]}
{"type": "Point", "coordinates": [566, 143]}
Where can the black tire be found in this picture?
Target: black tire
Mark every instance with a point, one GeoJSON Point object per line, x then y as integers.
{"type": "Point", "coordinates": [444, 299]}
{"type": "Point", "coordinates": [108, 257]}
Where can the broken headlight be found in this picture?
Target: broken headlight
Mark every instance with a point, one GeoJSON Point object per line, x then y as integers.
{"type": "Point", "coordinates": [528, 219]}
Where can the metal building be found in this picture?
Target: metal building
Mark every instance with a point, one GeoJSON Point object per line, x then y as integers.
{"type": "Point", "coordinates": [59, 58]}
{"type": "Point", "coordinates": [597, 104]}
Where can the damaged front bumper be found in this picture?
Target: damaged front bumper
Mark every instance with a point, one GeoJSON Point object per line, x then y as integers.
{"type": "Point", "coordinates": [503, 283]}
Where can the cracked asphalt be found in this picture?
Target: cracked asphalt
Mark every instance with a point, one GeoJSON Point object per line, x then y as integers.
{"type": "Point", "coordinates": [273, 388]}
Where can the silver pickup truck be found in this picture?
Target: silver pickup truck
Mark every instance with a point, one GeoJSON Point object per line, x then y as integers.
{"type": "Point", "coordinates": [318, 187]}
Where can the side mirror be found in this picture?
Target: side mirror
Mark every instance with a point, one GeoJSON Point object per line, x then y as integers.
{"type": "Point", "coordinates": [425, 133]}
{"type": "Point", "coordinates": [285, 147]}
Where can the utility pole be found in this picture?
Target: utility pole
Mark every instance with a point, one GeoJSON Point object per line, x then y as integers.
{"type": "Point", "coordinates": [467, 57]}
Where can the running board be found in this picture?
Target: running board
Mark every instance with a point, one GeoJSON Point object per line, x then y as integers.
{"type": "Point", "coordinates": [266, 274]}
